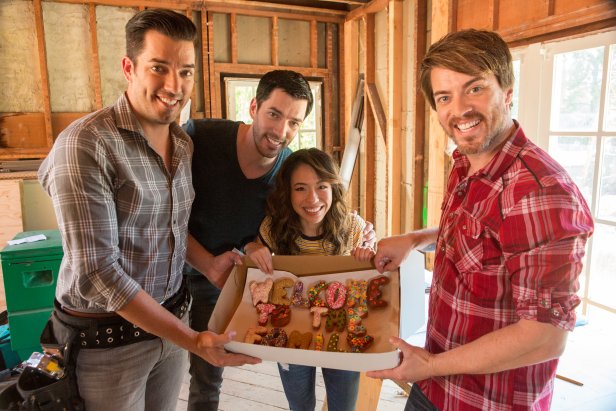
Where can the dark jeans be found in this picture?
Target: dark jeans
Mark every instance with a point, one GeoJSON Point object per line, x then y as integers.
{"type": "Point", "coordinates": [418, 402]}
{"type": "Point", "coordinates": [206, 379]}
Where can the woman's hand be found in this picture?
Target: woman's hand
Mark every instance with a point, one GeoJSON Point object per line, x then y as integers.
{"type": "Point", "coordinates": [363, 253]}
{"type": "Point", "coordinates": [261, 256]}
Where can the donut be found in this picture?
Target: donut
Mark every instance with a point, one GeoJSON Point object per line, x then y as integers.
{"type": "Point", "coordinates": [354, 323]}
{"type": "Point", "coordinates": [313, 294]}
{"type": "Point", "coordinates": [375, 293]}
{"type": "Point", "coordinates": [336, 320]}
{"type": "Point", "coordinates": [317, 312]}
{"type": "Point", "coordinates": [332, 344]}
{"type": "Point", "coordinates": [299, 340]}
{"type": "Point", "coordinates": [298, 300]}
{"type": "Point", "coordinates": [359, 344]}
{"type": "Point", "coordinates": [357, 296]}
{"type": "Point", "coordinates": [335, 295]}
{"type": "Point", "coordinates": [254, 335]}
{"type": "Point", "coordinates": [276, 337]}
{"type": "Point", "coordinates": [260, 291]}
{"type": "Point", "coordinates": [318, 342]}
{"type": "Point", "coordinates": [281, 315]}
{"type": "Point", "coordinates": [279, 293]}
{"type": "Point", "coordinates": [264, 311]}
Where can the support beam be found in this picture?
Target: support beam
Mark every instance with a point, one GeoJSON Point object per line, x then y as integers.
{"type": "Point", "coordinates": [96, 70]}
{"type": "Point", "coordinates": [42, 55]}
{"type": "Point", "coordinates": [370, 132]}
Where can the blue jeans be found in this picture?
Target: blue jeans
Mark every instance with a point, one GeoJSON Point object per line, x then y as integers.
{"type": "Point", "coordinates": [298, 383]}
{"type": "Point", "coordinates": [206, 379]}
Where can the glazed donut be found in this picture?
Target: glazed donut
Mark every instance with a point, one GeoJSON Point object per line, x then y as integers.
{"type": "Point", "coordinates": [357, 296]}
{"type": "Point", "coordinates": [332, 344]}
{"type": "Point", "coordinates": [336, 320]}
{"type": "Point", "coordinates": [254, 335]}
{"type": "Point", "coordinates": [281, 315]}
{"type": "Point", "coordinates": [276, 337]}
{"type": "Point", "coordinates": [317, 312]}
{"type": "Point", "coordinates": [375, 293]}
{"type": "Point", "coordinates": [354, 323]}
{"type": "Point", "coordinates": [299, 340]}
{"type": "Point", "coordinates": [313, 294]}
{"type": "Point", "coordinates": [279, 294]}
{"type": "Point", "coordinates": [298, 300]}
{"type": "Point", "coordinates": [359, 344]}
{"type": "Point", "coordinates": [335, 295]}
{"type": "Point", "coordinates": [318, 342]}
{"type": "Point", "coordinates": [260, 291]}
{"type": "Point", "coordinates": [264, 311]}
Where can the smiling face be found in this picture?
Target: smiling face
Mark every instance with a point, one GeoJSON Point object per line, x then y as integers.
{"type": "Point", "coordinates": [311, 198]}
{"type": "Point", "coordinates": [160, 80]}
{"type": "Point", "coordinates": [473, 111]}
{"type": "Point", "coordinates": [276, 121]}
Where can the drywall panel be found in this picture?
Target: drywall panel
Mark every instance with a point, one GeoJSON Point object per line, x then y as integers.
{"type": "Point", "coordinates": [254, 44]}
{"type": "Point", "coordinates": [69, 57]}
{"type": "Point", "coordinates": [222, 48]}
{"type": "Point", "coordinates": [110, 22]}
{"type": "Point", "coordinates": [294, 43]}
{"type": "Point", "coordinates": [20, 82]}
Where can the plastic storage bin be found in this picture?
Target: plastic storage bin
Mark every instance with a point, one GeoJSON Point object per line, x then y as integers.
{"type": "Point", "coordinates": [30, 272]}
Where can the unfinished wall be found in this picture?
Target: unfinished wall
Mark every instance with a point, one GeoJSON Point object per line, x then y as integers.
{"type": "Point", "coordinates": [20, 85]}
{"type": "Point", "coordinates": [292, 50]}
{"type": "Point", "coordinates": [254, 40]}
{"type": "Point", "coordinates": [380, 63]}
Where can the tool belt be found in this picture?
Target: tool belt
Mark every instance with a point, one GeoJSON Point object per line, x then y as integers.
{"type": "Point", "coordinates": [113, 330]}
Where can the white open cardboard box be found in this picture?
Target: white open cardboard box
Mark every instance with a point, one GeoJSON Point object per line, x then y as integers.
{"type": "Point", "coordinates": [232, 312]}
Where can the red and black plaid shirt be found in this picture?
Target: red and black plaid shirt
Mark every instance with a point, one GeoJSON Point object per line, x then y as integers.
{"type": "Point", "coordinates": [510, 246]}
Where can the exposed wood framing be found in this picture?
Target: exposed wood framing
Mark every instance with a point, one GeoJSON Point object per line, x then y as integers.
{"type": "Point", "coordinates": [42, 54]}
{"type": "Point", "coordinates": [394, 109]}
{"type": "Point", "coordinates": [313, 44]}
{"type": "Point", "coordinates": [282, 15]}
{"type": "Point", "coordinates": [376, 106]}
{"type": "Point", "coordinates": [206, 56]}
{"type": "Point", "coordinates": [233, 28]}
{"type": "Point", "coordinates": [328, 142]}
{"type": "Point", "coordinates": [373, 7]}
{"type": "Point", "coordinates": [264, 68]}
{"type": "Point", "coordinates": [193, 95]}
{"type": "Point", "coordinates": [96, 70]}
{"type": "Point", "coordinates": [274, 40]}
{"type": "Point", "coordinates": [211, 94]}
{"type": "Point", "coordinates": [348, 91]}
{"type": "Point", "coordinates": [370, 132]}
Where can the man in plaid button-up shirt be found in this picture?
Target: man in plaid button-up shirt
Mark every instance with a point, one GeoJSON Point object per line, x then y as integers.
{"type": "Point", "coordinates": [509, 246]}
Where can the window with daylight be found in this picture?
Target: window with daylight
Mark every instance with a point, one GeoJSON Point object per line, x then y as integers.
{"type": "Point", "coordinates": [566, 102]}
{"type": "Point", "coordinates": [240, 92]}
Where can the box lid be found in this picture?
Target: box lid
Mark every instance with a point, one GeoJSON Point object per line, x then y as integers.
{"type": "Point", "coordinates": [51, 247]}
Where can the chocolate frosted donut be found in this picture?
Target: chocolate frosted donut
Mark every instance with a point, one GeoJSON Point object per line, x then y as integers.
{"type": "Point", "coordinates": [276, 337]}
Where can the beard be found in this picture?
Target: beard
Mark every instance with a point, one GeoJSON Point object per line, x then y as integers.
{"type": "Point", "coordinates": [493, 138]}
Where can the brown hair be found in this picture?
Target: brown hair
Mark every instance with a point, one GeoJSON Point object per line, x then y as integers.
{"type": "Point", "coordinates": [472, 52]}
{"type": "Point", "coordinates": [286, 226]}
{"type": "Point", "coordinates": [291, 82]}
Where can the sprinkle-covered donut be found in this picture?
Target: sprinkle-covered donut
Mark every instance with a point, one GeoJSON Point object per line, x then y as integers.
{"type": "Point", "coordinates": [354, 322]}
{"type": "Point", "coordinates": [375, 293]}
{"type": "Point", "coordinates": [318, 342]}
{"type": "Point", "coordinates": [357, 296]}
{"type": "Point", "coordinates": [335, 295]}
{"type": "Point", "coordinates": [359, 344]}
{"type": "Point", "coordinates": [281, 316]}
{"type": "Point", "coordinates": [298, 300]}
{"type": "Point", "coordinates": [313, 294]}
{"type": "Point", "coordinates": [276, 337]}
{"type": "Point", "coordinates": [264, 311]}
{"type": "Point", "coordinates": [299, 340]}
{"type": "Point", "coordinates": [317, 312]}
{"type": "Point", "coordinates": [279, 293]}
{"type": "Point", "coordinates": [332, 344]}
{"type": "Point", "coordinates": [336, 320]}
{"type": "Point", "coordinates": [260, 291]}
{"type": "Point", "coordinates": [254, 335]}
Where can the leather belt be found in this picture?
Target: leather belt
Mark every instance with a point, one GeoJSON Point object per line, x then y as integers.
{"type": "Point", "coordinates": [108, 330]}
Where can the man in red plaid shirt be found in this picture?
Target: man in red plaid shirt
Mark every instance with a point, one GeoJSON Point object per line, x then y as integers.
{"type": "Point", "coordinates": [509, 246]}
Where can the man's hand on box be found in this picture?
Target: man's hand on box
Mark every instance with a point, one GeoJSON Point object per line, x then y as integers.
{"type": "Point", "coordinates": [363, 253]}
{"type": "Point", "coordinates": [221, 267]}
{"type": "Point", "coordinates": [261, 256]}
{"type": "Point", "coordinates": [415, 364]}
{"type": "Point", "coordinates": [210, 347]}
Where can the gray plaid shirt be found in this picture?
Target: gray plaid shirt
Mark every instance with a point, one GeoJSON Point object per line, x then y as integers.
{"type": "Point", "coordinates": [122, 215]}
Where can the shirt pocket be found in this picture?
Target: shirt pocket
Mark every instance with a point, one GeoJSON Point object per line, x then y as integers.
{"type": "Point", "coordinates": [466, 248]}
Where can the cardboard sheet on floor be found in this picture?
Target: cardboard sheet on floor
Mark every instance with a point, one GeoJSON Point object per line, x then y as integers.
{"type": "Point", "coordinates": [235, 311]}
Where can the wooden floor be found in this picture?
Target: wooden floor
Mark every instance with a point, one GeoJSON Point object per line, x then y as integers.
{"type": "Point", "coordinates": [258, 388]}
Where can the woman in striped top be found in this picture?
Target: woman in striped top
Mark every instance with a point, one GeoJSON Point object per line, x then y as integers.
{"type": "Point", "coordinates": [307, 214]}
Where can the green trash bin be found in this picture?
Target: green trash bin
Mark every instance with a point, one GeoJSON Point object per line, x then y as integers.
{"type": "Point", "coordinates": [30, 272]}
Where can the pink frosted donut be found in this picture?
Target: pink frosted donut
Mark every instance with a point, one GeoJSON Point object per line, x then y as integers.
{"type": "Point", "coordinates": [317, 312]}
{"type": "Point", "coordinates": [298, 300]}
{"type": "Point", "coordinates": [313, 294]}
{"type": "Point", "coordinates": [260, 291]}
{"type": "Point", "coordinates": [335, 295]}
{"type": "Point", "coordinates": [264, 311]}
